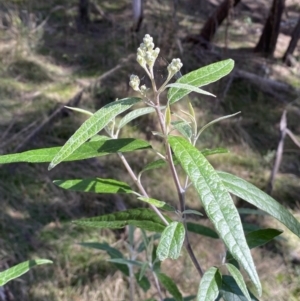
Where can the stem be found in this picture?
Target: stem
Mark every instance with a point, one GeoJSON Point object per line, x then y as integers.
{"type": "Point", "coordinates": [140, 186]}
{"type": "Point", "coordinates": [180, 190]}
{"type": "Point", "coordinates": [157, 286]}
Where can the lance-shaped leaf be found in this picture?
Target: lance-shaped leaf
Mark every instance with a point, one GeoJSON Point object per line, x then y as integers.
{"type": "Point", "coordinates": [260, 199]}
{"type": "Point", "coordinates": [20, 269]}
{"type": "Point", "coordinates": [209, 285]}
{"type": "Point", "coordinates": [171, 241]}
{"type": "Point", "coordinates": [134, 114]}
{"type": "Point", "coordinates": [92, 126]}
{"type": "Point", "coordinates": [231, 292]}
{"type": "Point", "coordinates": [159, 204]}
{"type": "Point", "coordinates": [96, 185]}
{"type": "Point", "coordinates": [141, 218]}
{"type": "Point", "coordinates": [238, 277]}
{"type": "Point", "coordinates": [112, 252]}
{"type": "Point", "coordinates": [201, 77]}
{"type": "Point", "coordinates": [202, 230]}
{"type": "Point", "coordinates": [92, 149]}
{"type": "Point", "coordinates": [190, 88]}
{"type": "Point", "coordinates": [183, 128]}
{"type": "Point", "coordinates": [217, 203]}
{"type": "Point", "coordinates": [262, 236]}
{"type": "Point", "coordinates": [170, 286]}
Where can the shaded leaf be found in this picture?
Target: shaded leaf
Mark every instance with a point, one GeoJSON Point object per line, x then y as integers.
{"type": "Point", "coordinates": [231, 292]}
{"type": "Point", "coordinates": [170, 286]}
{"type": "Point", "coordinates": [191, 211]}
{"type": "Point", "coordinates": [202, 230]}
{"type": "Point", "coordinates": [209, 285]}
{"type": "Point", "coordinates": [260, 199]}
{"type": "Point", "coordinates": [112, 252]}
{"type": "Point", "coordinates": [95, 148]}
{"type": "Point", "coordinates": [260, 237]}
{"type": "Point", "coordinates": [95, 185]}
{"type": "Point", "coordinates": [141, 218]}
{"type": "Point", "coordinates": [201, 77]}
{"type": "Point", "coordinates": [238, 277]}
{"type": "Point", "coordinates": [20, 269]}
{"type": "Point", "coordinates": [92, 126]}
{"type": "Point", "coordinates": [126, 261]}
{"type": "Point", "coordinates": [171, 241]}
{"type": "Point", "coordinates": [208, 152]}
{"type": "Point", "coordinates": [217, 203]}
{"type": "Point", "coordinates": [143, 282]}
{"type": "Point", "coordinates": [183, 128]}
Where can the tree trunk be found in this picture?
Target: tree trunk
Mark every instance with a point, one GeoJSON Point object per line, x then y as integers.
{"type": "Point", "coordinates": [215, 20]}
{"type": "Point", "coordinates": [83, 12]}
{"type": "Point", "coordinates": [293, 43]}
{"type": "Point", "coordinates": [267, 42]}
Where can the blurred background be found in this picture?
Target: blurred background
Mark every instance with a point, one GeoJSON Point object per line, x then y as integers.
{"type": "Point", "coordinates": [81, 53]}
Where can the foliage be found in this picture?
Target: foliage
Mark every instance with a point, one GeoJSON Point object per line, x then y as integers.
{"type": "Point", "coordinates": [214, 188]}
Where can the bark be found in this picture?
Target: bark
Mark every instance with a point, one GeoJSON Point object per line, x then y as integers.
{"type": "Point", "coordinates": [83, 12]}
{"type": "Point", "coordinates": [293, 43]}
{"type": "Point", "coordinates": [267, 42]}
{"type": "Point", "coordinates": [215, 20]}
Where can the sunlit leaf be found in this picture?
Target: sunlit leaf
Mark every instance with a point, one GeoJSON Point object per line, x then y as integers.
{"type": "Point", "coordinates": [238, 277]}
{"type": "Point", "coordinates": [141, 218]}
{"type": "Point", "coordinates": [79, 110]}
{"type": "Point", "coordinates": [159, 204]}
{"type": "Point", "coordinates": [189, 88]}
{"type": "Point", "coordinates": [95, 148]}
{"type": "Point", "coordinates": [201, 77]}
{"type": "Point", "coordinates": [171, 241]}
{"type": "Point", "coordinates": [170, 286]}
{"type": "Point", "coordinates": [20, 269]}
{"type": "Point", "coordinates": [92, 126]}
{"type": "Point", "coordinates": [209, 285]}
{"type": "Point", "coordinates": [217, 203]}
{"type": "Point", "coordinates": [260, 199]}
{"type": "Point", "coordinates": [95, 185]}
{"type": "Point", "coordinates": [133, 115]}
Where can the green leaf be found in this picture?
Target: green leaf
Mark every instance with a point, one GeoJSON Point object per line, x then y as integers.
{"type": "Point", "coordinates": [141, 218]}
{"type": "Point", "coordinates": [95, 185]}
{"type": "Point", "coordinates": [170, 286]}
{"type": "Point", "coordinates": [144, 282]}
{"type": "Point", "coordinates": [231, 292]}
{"type": "Point", "coordinates": [112, 252]}
{"type": "Point", "coordinates": [217, 203]}
{"type": "Point", "coordinates": [251, 211]}
{"type": "Point", "coordinates": [201, 77]}
{"type": "Point", "coordinates": [238, 277]}
{"type": "Point", "coordinates": [190, 88]}
{"type": "Point", "coordinates": [159, 204]}
{"type": "Point", "coordinates": [92, 126]}
{"type": "Point", "coordinates": [191, 211]}
{"type": "Point", "coordinates": [134, 114]}
{"type": "Point", "coordinates": [208, 152]}
{"type": "Point", "coordinates": [202, 230]}
{"type": "Point", "coordinates": [171, 241]}
{"type": "Point", "coordinates": [260, 237]}
{"type": "Point", "coordinates": [214, 121]}
{"type": "Point", "coordinates": [79, 110]}
{"type": "Point", "coordinates": [154, 165]}
{"type": "Point", "coordinates": [95, 148]}
{"type": "Point", "coordinates": [260, 199]}
{"type": "Point", "coordinates": [126, 261]}
{"type": "Point", "coordinates": [183, 128]}
{"type": "Point", "coordinates": [142, 271]}
{"type": "Point", "coordinates": [209, 285]}
{"type": "Point", "coordinates": [20, 269]}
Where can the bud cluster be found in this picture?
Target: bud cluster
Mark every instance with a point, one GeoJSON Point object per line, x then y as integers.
{"type": "Point", "coordinates": [146, 54]}
{"type": "Point", "coordinates": [174, 67]}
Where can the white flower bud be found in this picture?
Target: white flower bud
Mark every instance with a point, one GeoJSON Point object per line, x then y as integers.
{"type": "Point", "coordinates": [134, 82]}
